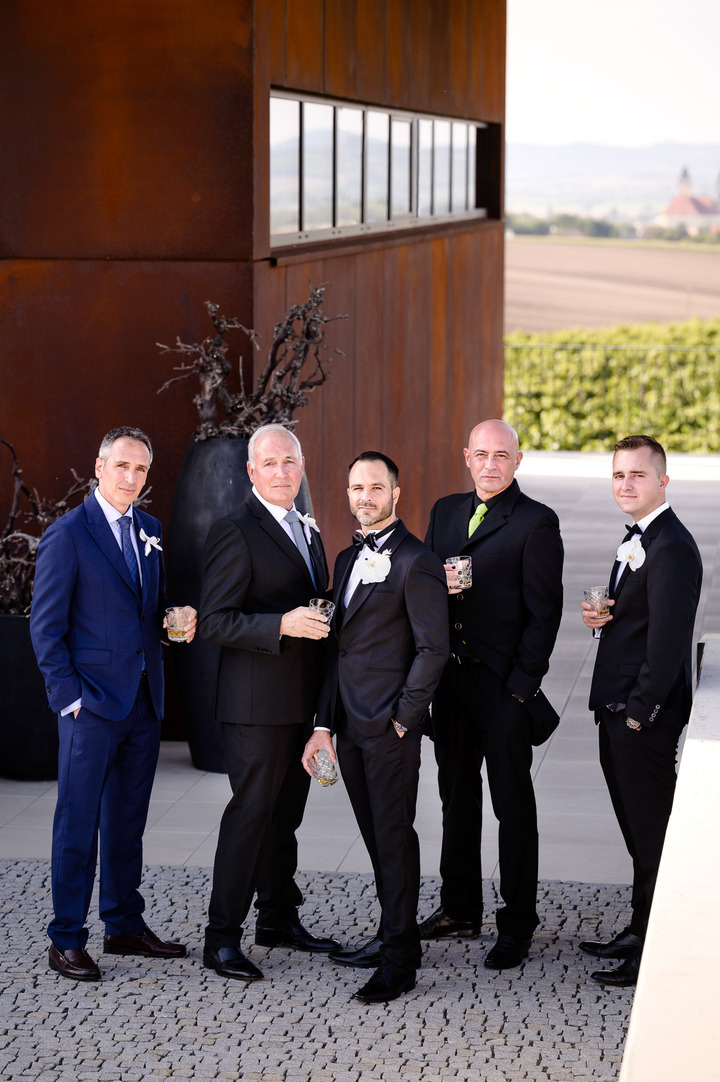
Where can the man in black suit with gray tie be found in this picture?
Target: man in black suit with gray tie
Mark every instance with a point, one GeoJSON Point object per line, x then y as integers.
{"type": "Point", "coordinates": [641, 689]}
{"type": "Point", "coordinates": [263, 564]}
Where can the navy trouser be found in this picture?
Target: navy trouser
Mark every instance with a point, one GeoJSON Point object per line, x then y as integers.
{"type": "Point", "coordinates": [105, 777]}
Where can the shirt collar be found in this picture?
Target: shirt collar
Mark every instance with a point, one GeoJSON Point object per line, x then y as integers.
{"type": "Point", "coordinates": [111, 513]}
{"type": "Point", "coordinates": [643, 523]}
{"type": "Point", "coordinates": [278, 513]}
{"type": "Point", "coordinates": [385, 532]}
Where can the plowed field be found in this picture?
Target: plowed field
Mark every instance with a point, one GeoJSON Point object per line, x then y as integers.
{"type": "Point", "coordinates": [550, 285]}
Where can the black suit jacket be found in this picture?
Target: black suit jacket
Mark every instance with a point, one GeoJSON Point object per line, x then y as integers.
{"type": "Point", "coordinates": [510, 617]}
{"type": "Point", "coordinates": [644, 657]}
{"type": "Point", "coordinates": [253, 573]}
{"type": "Point", "coordinates": [391, 645]}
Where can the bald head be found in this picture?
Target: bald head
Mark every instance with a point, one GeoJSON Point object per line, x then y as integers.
{"type": "Point", "coordinates": [492, 456]}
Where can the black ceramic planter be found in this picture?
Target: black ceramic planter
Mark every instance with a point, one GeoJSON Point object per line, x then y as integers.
{"type": "Point", "coordinates": [28, 728]}
{"type": "Point", "coordinates": [213, 480]}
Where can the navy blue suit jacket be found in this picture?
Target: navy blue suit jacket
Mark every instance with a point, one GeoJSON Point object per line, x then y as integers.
{"type": "Point", "coordinates": [90, 629]}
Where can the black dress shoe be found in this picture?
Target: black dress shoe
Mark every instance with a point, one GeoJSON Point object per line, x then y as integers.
{"type": "Point", "coordinates": [230, 962]}
{"type": "Point", "coordinates": [439, 924]}
{"type": "Point", "coordinates": [624, 976]}
{"type": "Point", "coordinates": [387, 982]}
{"type": "Point", "coordinates": [146, 944]}
{"type": "Point", "coordinates": [75, 963]}
{"type": "Point", "coordinates": [294, 935]}
{"type": "Point", "coordinates": [365, 957]}
{"type": "Point", "coordinates": [623, 945]}
{"type": "Point", "coordinates": [508, 952]}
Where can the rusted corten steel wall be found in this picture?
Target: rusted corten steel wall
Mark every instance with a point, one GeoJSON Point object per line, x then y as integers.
{"type": "Point", "coordinates": [135, 186]}
{"type": "Point", "coordinates": [424, 337]}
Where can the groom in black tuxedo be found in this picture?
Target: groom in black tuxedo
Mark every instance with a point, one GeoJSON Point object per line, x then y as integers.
{"type": "Point", "coordinates": [502, 632]}
{"type": "Point", "coordinates": [385, 659]}
{"type": "Point", "coordinates": [641, 689]}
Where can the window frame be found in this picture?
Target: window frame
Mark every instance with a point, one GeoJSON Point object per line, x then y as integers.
{"type": "Point", "coordinates": [390, 223]}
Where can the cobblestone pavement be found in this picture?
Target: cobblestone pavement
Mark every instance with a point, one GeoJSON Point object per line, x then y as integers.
{"type": "Point", "coordinates": [151, 1020]}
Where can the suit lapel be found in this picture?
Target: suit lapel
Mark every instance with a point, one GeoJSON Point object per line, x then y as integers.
{"type": "Point", "coordinates": [102, 534]}
{"type": "Point", "coordinates": [273, 529]}
{"type": "Point", "coordinates": [149, 563]}
{"type": "Point", "coordinates": [495, 521]}
{"type": "Point", "coordinates": [363, 590]}
{"type": "Point", "coordinates": [646, 539]}
{"type": "Point", "coordinates": [318, 561]}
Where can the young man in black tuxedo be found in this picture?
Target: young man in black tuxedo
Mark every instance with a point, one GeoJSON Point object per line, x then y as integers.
{"type": "Point", "coordinates": [263, 564]}
{"type": "Point", "coordinates": [388, 651]}
{"type": "Point", "coordinates": [502, 632]}
{"type": "Point", "coordinates": [641, 689]}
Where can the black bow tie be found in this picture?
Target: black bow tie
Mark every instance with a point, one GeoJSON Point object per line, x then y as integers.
{"type": "Point", "coordinates": [360, 539]}
{"type": "Point", "coordinates": [632, 530]}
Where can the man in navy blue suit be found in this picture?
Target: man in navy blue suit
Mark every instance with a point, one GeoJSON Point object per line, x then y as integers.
{"type": "Point", "coordinates": [97, 614]}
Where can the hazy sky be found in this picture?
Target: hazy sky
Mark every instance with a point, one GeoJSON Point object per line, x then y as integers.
{"type": "Point", "coordinates": [621, 72]}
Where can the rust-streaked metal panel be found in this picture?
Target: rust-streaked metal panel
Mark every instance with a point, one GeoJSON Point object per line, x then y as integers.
{"type": "Point", "coordinates": [128, 129]}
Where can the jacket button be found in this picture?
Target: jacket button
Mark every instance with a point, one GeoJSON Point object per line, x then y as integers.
{"type": "Point", "coordinates": [139, 650]}
{"type": "Point", "coordinates": [458, 627]}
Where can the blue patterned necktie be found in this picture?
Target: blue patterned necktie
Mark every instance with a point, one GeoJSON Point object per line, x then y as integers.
{"type": "Point", "coordinates": [129, 551]}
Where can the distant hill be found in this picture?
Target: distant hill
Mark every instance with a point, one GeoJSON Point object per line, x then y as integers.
{"type": "Point", "coordinates": [603, 181]}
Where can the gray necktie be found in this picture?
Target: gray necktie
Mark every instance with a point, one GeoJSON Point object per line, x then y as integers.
{"type": "Point", "coordinates": [299, 539]}
{"type": "Point", "coordinates": [129, 551]}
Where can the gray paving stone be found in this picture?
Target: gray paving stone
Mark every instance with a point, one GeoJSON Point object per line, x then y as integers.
{"type": "Point", "coordinates": [151, 1020]}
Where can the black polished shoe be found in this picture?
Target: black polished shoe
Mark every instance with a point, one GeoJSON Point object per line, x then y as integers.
{"type": "Point", "coordinates": [439, 924]}
{"type": "Point", "coordinates": [624, 945]}
{"type": "Point", "coordinates": [294, 935]}
{"type": "Point", "coordinates": [230, 962]}
{"type": "Point", "coordinates": [507, 953]}
{"type": "Point", "coordinates": [625, 976]}
{"type": "Point", "coordinates": [365, 957]}
{"type": "Point", "coordinates": [387, 982]}
{"type": "Point", "coordinates": [146, 944]}
{"type": "Point", "coordinates": [74, 963]}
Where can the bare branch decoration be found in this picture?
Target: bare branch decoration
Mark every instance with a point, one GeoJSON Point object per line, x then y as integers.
{"type": "Point", "coordinates": [281, 388]}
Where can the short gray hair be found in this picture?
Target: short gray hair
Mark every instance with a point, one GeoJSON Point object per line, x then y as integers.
{"type": "Point", "coordinates": [267, 430]}
{"type": "Point", "coordinates": [124, 433]}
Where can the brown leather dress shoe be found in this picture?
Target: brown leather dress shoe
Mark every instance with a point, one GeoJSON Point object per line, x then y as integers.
{"type": "Point", "coordinates": [74, 963]}
{"type": "Point", "coordinates": [440, 924]}
{"type": "Point", "coordinates": [146, 944]}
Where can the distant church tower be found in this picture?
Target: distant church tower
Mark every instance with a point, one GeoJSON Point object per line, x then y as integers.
{"type": "Point", "coordinates": [684, 185]}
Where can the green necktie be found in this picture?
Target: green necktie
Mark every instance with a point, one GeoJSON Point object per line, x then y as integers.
{"type": "Point", "coordinates": [480, 512]}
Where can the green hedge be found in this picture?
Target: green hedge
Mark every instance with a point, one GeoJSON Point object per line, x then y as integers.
{"type": "Point", "coordinates": [583, 389]}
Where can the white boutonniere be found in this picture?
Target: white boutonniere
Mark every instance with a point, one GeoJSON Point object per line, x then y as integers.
{"type": "Point", "coordinates": [375, 566]}
{"type": "Point", "coordinates": [308, 520]}
{"type": "Point", "coordinates": [150, 542]}
{"type": "Point", "coordinates": [631, 552]}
